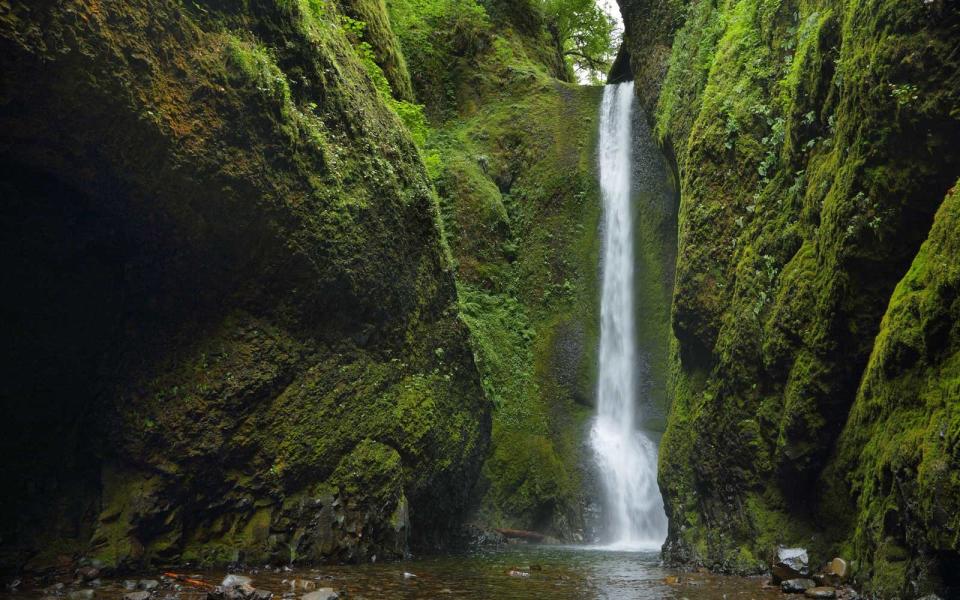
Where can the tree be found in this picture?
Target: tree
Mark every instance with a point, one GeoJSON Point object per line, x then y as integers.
{"type": "Point", "coordinates": [584, 32]}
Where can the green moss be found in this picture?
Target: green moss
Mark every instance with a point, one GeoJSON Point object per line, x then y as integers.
{"type": "Point", "coordinates": [371, 473]}
{"type": "Point", "coordinates": [384, 45]}
{"type": "Point", "coordinates": [799, 134]}
{"type": "Point", "coordinates": [528, 480]}
{"type": "Point", "coordinates": [519, 201]}
{"type": "Point", "coordinates": [895, 462]}
{"type": "Point", "coordinates": [304, 296]}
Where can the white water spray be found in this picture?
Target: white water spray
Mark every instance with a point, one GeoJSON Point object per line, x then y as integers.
{"type": "Point", "coordinates": [627, 458]}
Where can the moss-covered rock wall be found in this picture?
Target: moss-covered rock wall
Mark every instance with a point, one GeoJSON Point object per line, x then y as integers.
{"type": "Point", "coordinates": [815, 141]}
{"type": "Point", "coordinates": [512, 154]}
{"type": "Point", "coordinates": [234, 325]}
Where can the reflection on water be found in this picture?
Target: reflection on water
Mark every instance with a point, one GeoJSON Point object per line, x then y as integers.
{"type": "Point", "coordinates": [510, 573]}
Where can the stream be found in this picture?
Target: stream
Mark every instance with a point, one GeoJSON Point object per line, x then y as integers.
{"type": "Point", "coordinates": [512, 572]}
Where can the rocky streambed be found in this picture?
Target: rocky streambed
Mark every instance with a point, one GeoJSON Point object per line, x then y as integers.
{"type": "Point", "coordinates": [516, 571]}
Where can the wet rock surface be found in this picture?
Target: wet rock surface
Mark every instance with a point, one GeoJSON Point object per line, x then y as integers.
{"type": "Point", "coordinates": [797, 586]}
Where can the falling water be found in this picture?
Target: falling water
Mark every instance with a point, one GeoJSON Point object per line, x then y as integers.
{"type": "Point", "coordinates": [626, 456]}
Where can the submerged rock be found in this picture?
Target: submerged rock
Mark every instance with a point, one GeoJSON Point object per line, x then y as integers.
{"type": "Point", "coordinates": [141, 595]}
{"type": "Point", "coordinates": [148, 584]}
{"type": "Point", "coordinates": [820, 592]}
{"type": "Point", "coordinates": [81, 595]}
{"type": "Point", "coordinates": [797, 586]}
{"type": "Point", "coordinates": [55, 589]}
{"type": "Point", "coordinates": [321, 594]}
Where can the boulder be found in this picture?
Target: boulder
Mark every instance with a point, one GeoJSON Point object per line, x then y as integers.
{"type": "Point", "coordinates": [838, 567]}
{"type": "Point", "coordinates": [236, 581]}
{"type": "Point", "coordinates": [797, 586]}
{"type": "Point", "coordinates": [791, 563]}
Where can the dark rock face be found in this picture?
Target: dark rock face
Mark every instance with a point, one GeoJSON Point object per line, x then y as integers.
{"type": "Point", "coordinates": [648, 34]}
{"type": "Point", "coordinates": [815, 143]}
{"type": "Point", "coordinates": [797, 586]}
{"type": "Point", "coordinates": [226, 295]}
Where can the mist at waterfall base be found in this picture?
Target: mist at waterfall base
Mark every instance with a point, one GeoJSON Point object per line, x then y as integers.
{"type": "Point", "coordinates": [626, 458]}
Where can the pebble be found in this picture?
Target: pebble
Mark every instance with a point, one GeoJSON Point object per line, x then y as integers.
{"type": "Point", "coordinates": [141, 595]}
{"type": "Point", "coordinates": [409, 575]}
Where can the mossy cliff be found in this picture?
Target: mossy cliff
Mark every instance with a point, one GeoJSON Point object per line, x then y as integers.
{"type": "Point", "coordinates": [281, 269]}
{"type": "Point", "coordinates": [512, 153]}
{"type": "Point", "coordinates": [814, 141]}
{"type": "Point", "coordinates": [233, 324]}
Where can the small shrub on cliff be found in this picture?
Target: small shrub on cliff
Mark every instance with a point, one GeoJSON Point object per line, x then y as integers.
{"type": "Point", "coordinates": [411, 114]}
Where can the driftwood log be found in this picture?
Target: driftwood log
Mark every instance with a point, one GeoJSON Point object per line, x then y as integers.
{"type": "Point", "coordinates": [524, 535]}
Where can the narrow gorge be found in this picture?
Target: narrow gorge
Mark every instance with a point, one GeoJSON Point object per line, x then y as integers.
{"type": "Point", "coordinates": [480, 298]}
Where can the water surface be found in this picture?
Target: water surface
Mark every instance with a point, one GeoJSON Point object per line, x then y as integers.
{"type": "Point", "coordinates": [517, 572]}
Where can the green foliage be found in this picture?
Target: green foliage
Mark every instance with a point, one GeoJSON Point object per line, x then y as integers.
{"type": "Point", "coordinates": [518, 199]}
{"type": "Point", "coordinates": [436, 35]}
{"type": "Point", "coordinates": [410, 114]}
{"type": "Point", "coordinates": [585, 33]}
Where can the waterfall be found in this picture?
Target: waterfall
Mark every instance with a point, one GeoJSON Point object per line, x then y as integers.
{"type": "Point", "coordinates": [627, 458]}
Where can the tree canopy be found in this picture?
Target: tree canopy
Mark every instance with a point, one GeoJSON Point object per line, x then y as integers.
{"type": "Point", "coordinates": [586, 34]}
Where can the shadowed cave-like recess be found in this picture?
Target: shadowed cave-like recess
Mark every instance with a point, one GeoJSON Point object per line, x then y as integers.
{"type": "Point", "coordinates": [88, 289]}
